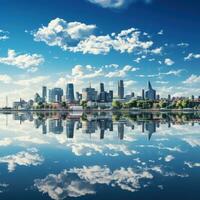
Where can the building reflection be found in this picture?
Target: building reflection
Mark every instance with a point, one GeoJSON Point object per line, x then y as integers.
{"type": "Point", "coordinates": [147, 123]}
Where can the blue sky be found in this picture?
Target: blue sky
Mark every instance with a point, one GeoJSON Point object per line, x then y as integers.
{"type": "Point", "coordinates": [81, 41]}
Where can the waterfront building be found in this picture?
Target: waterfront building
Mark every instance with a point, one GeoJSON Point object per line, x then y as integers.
{"type": "Point", "coordinates": [55, 95]}
{"type": "Point", "coordinates": [44, 93]}
{"type": "Point", "coordinates": [150, 93]}
{"type": "Point", "coordinates": [89, 94]}
{"type": "Point", "coordinates": [142, 94]}
{"type": "Point", "coordinates": [70, 93]}
{"type": "Point", "coordinates": [121, 89]}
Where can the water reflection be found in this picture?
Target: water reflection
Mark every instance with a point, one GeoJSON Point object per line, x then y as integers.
{"type": "Point", "coordinates": [101, 123]}
{"type": "Point", "coordinates": [93, 155]}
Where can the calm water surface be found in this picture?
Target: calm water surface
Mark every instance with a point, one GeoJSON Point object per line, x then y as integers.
{"type": "Point", "coordinates": [99, 156]}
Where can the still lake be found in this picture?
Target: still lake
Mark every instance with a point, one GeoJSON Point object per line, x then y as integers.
{"type": "Point", "coordinates": [99, 156]}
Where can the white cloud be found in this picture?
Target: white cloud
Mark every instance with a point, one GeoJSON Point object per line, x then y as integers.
{"type": "Point", "coordinates": [4, 35]}
{"type": "Point", "coordinates": [169, 158]}
{"type": "Point", "coordinates": [192, 56]}
{"type": "Point", "coordinates": [157, 50]}
{"type": "Point", "coordinates": [78, 182]}
{"type": "Point", "coordinates": [129, 83]}
{"type": "Point", "coordinates": [5, 78]}
{"type": "Point", "coordinates": [182, 44]}
{"type": "Point", "coordinates": [61, 33]}
{"type": "Point", "coordinates": [32, 81]}
{"type": "Point", "coordinates": [94, 45]}
{"type": "Point", "coordinates": [192, 79]}
{"type": "Point", "coordinates": [22, 61]}
{"type": "Point", "coordinates": [191, 164]}
{"type": "Point", "coordinates": [160, 32]}
{"type": "Point", "coordinates": [5, 142]}
{"type": "Point", "coordinates": [193, 142]}
{"type": "Point", "coordinates": [23, 158]}
{"type": "Point", "coordinates": [116, 4]}
{"type": "Point", "coordinates": [121, 72]}
{"type": "Point", "coordinates": [79, 37]}
{"type": "Point", "coordinates": [169, 61]}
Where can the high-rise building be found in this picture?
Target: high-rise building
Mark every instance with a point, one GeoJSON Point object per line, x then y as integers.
{"type": "Point", "coordinates": [142, 94]}
{"type": "Point", "coordinates": [70, 93]}
{"type": "Point", "coordinates": [150, 93]}
{"type": "Point", "coordinates": [55, 95]}
{"type": "Point", "coordinates": [89, 94]}
{"type": "Point", "coordinates": [121, 89]}
{"type": "Point", "coordinates": [101, 87]}
{"type": "Point", "coordinates": [44, 93]}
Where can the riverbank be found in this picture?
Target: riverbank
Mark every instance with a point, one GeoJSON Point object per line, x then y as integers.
{"type": "Point", "coordinates": [100, 110]}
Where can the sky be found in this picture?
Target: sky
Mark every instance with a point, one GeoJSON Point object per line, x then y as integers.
{"type": "Point", "coordinates": [52, 43]}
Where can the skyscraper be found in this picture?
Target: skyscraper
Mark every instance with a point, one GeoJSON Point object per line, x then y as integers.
{"type": "Point", "coordinates": [150, 93]}
{"type": "Point", "coordinates": [44, 93]}
{"type": "Point", "coordinates": [101, 87]}
{"type": "Point", "coordinates": [121, 89]}
{"type": "Point", "coordinates": [70, 92]}
{"type": "Point", "coordinates": [55, 95]}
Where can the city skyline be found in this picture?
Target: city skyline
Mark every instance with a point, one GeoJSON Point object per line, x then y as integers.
{"type": "Point", "coordinates": [138, 41]}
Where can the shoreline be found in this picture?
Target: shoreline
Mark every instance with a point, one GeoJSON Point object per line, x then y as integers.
{"type": "Point", "coordinates": [102, 110]}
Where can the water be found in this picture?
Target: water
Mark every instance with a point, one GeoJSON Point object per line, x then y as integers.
{"type": "Point", "coordinates": [99, 156]}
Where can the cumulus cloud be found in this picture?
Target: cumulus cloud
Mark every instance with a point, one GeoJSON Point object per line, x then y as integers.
{"type": "Point", "coordinates": [191, 56]}
{"type": "Point", "coordinates": [122, 72]}
{"type": "Point", "coordinates": [4, 35]}
{"type": "Point", "coordinates": [191, 164]}
{"type": "Point", "coordinates": [169, 158]}
{"type": "Point", "coordinates": [116, 4]}
{"type": "Point", "coordinates": [80, 37]}
{"type": "Point", "coordinates": [23, 158]}
{"type": "Point", "coordinates": [77, 182]}
{"type": "Point", "coordinates": [157, 50]}
{"type": "Point", "coordinates": [62, 33]}
{"type": "Point", "coordinates": [160, 32]}
{"type": "Point", "coordinates": [4, 78]}
{"type": "Point", "coordinates": [183, 44]}
{"type": "Point", "coordinates": [32, 81]}
{"type": "Point", "coordinates": [169, 61]}
{"type": "Point", "coordinates": [193, 79]}
{"type": "Point", "coordinates": [22, 61]}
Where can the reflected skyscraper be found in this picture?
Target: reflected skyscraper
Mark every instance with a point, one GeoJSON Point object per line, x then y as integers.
{"type": "Point", "coordinates": [55, 126]}
{"type": "Point", "coordinates": [121, 130]}
{"type": "Point", "coordinates": [70, 128]}
{"type": "Point", "coordinates": [151, 128]}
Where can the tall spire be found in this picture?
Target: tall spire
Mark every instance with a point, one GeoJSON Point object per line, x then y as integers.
{"type": "Point", "coordinates": [149, 85]}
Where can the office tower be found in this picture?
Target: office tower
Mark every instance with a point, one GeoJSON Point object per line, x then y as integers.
{"type": "Point", "coordinates": [89, 94]}
{"type": "Point", "coordinates": [78, 96]}
{"type": "Point", "coordinates": [132, 94]}
{"type": "Point", "coordinates": [55, 95]}
{"type": "Point", "coordinates": [121, 89]}
{"type": "Point", "coordinates": [101, 87]}
{"type": "Point", "coordinates": [110, 95]}
{"type": "Point", "coordinates": [169, 97]}
{"type": "Point", "coordinates": [157, 97]}
{"type": "Point", "coordinates": [44, 93]}
{"type": "Point", "coordinates": [70, 93]}
{"type": "Point", "coordinates": [150, 93]}
{"type": "Point", "coordinates": [142, 94]}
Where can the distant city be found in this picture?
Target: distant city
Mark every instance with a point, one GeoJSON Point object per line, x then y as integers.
{"type": "Point", "coordinates": [90, 98]}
